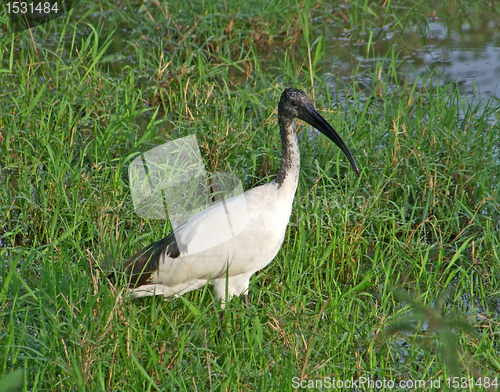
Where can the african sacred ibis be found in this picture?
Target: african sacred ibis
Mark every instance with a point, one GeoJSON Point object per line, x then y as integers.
{"type": "Point", "coordinates": [165, 268]}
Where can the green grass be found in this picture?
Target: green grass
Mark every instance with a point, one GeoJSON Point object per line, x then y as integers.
{"type": "Point", "coordinates": [393, 276]}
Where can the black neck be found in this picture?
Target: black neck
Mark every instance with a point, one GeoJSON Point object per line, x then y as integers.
{"type": "Point", "coordinates": [290, 158]}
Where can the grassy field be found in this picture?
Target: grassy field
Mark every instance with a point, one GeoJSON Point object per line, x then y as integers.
{"type": "Point", "coordinates": [394, 276]}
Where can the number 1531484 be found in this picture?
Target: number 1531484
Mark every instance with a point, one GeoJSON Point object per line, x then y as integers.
{"type": "Point", "coordinates": [23, 7]}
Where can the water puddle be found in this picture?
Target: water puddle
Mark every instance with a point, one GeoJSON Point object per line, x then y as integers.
{"type": "Point", "coordinates": [468, 57]}
{"type": "Point", "coordinates": [464, 53]}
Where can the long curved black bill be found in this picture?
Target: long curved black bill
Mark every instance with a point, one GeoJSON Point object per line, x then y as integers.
{"type": "Point", "coordinates": [311, 116]}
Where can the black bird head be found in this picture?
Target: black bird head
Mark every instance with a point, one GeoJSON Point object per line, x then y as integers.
{"type": "Point", "coordinates": [296, 104]}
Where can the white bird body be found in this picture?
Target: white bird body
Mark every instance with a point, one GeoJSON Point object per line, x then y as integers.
{"type": "Point", "coordinates": [268, 211]}
{"type": "Point", "coordinates": [200, 250]}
